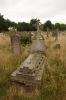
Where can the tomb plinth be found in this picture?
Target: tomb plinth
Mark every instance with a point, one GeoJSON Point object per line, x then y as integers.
{"type": "Point", "coordinates": [31, 70]}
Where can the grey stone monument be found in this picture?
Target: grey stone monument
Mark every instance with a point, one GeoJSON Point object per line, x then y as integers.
{"type": "Point", "coordinates": [31, 70]}
{"type": "Point", "coordinates": [38, 42]}
{"type": "Point", "coordinates": [48, 32]}
{"type": "Point", "coordinates": [55, 33]}
{"type": "Point", "coordinates": [15, 41]}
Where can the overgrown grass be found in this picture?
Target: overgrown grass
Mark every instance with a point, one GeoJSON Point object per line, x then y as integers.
{"type": "Point", "coordinates": [54, 77]}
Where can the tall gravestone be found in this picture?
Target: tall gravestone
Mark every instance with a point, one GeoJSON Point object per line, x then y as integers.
{"type": "Point", "coordinates": [55, 33]}
{"type": "Point", "coordinates": [48, 32]}
{"type": "Point", "coordinates": [15, 41]}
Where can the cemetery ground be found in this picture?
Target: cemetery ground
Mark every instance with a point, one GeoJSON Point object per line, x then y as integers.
{"type": "Point", "coordinates": [53, 85]}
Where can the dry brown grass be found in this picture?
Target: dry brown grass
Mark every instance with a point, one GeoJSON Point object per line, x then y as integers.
{"type": "Point", "coordinates": [54, 78]}
{"type": "Point", "coordinates": [8, 63]}
{"type": "Point", "coordinates": [56, 68]}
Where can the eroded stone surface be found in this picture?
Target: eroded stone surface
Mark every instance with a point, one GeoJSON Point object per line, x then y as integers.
{"type": "Point", "coordinates": [15, 41]}
{"type": "Point", "coordinates": [30, 72]}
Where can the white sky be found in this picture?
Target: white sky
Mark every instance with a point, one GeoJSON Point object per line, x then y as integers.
{"type": "Point", "coordinates": [25, 10]}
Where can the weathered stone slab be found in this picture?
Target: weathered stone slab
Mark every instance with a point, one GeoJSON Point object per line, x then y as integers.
{"type": "Point", "coordinates": [38, 46]}
{"type": "Point", "coordinates": [31, 70]}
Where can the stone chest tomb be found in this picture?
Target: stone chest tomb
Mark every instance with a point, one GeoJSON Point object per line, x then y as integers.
{"type": "Point", "coordinates": [31, 70]}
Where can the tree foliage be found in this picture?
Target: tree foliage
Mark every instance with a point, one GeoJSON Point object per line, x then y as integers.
{"type": "Point", "coordinates": [2, 23]}
{"type": "Point", "coordinates": [6, 23]}
{"type": "Point", "coordinates": [47, 25]}
{"type": "Point", "coordinates": [33, 23]}
{"type": "Point", "coordinates": [32, 26]}
{"type": "Point", "coordinates": [25, 38]}
{"type": "Point", "coordinates": [23, 26]}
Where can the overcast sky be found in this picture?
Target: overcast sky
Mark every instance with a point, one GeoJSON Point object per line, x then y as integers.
{"type": "Point", "coordinates": [24, 10]}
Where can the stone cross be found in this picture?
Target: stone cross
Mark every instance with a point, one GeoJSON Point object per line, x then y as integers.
{"type": "Point", "coordinates": [38, 42]}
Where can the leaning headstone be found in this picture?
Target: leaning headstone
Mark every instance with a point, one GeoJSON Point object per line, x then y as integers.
{"type": "Point", "coordinates": [15, 41]}
{"type": "Point", "coordinates": [55, 34]}
{"type": "Point", "coordinates": [48, 32]}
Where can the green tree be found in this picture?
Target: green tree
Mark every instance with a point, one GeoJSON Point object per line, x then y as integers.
{"type": "Point", "coordinates": [62, 27]}
{"type": "Point", "coordinates": [48, 25]}
{"type": "Point", "coordinates": [2, 23]}
{"type": "Point", "coordinates": [6, 23]}
{"type": "Point", "coordinates": [25, 38]}
{"type": "Point", "coordinates": [23, 26]}
{"type": "Point", "coordinates": [57, 26]}
{"type": "Point", "coordinates": [33, 23]}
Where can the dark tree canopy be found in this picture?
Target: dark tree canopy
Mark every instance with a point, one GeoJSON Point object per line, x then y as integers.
{"type": "Point", "coordinates": [32, 26]}
{"type": "Point", "coordinates": [6, 23]}
{"type": "Point", "coordinates": [33, 23]}
{"type": "Point", "coordinates": [47, 25]}
{"type": "Point", "coordinates": [23, 26]}
{"type": "Point", "coordinates": [2, 23]}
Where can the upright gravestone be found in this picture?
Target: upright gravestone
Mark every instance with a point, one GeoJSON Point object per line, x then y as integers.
{"type": "Point", "coordinates": [15, 41]}
{"type": "Point", "coordinates": [48, 32]}
{"type": "Point", "coordinates": [55, 33]}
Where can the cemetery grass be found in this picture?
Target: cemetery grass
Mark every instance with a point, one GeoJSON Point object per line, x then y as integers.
{"type": "Point", "coordinates": [53, 86]}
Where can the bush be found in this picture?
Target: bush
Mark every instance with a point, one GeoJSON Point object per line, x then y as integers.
{"type": "Point", "coordinates": [25, 38]}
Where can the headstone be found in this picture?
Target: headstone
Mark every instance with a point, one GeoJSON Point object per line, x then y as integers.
{"type": "Point", "coordinates": [48, 32]}
{"type": "Point", "coordinates": [15, 41]}
{"type": "Point", "coordinates": [55, 33]}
